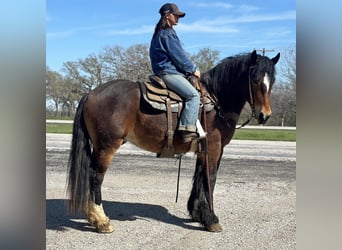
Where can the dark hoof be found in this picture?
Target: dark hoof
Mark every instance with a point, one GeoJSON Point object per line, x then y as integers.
{"type": "Point", "coordinates": [195, 218]}
{"type": "Point", "coordinates": [215, 228]}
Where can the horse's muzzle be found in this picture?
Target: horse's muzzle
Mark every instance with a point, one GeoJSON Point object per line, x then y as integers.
{"type": "Point", "coordinates": [262, 119]}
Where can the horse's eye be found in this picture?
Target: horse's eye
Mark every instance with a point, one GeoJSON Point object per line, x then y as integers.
{"type": "Point", "coordinates": [255, 82]}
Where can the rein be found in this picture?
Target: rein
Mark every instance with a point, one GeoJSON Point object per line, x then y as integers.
{"type": "Point", "coordinates": [224, 116]}
{"type": "Point", "coordinates": [232, 116]}
{"type": "Point", "coordinates": [179, 168]}
{"type": "Point", "coordinates": [251, 98]}
{"type": "Point", "coordinates": [206, 147]}
{"type": "Point", "coordinates": [198, 83]}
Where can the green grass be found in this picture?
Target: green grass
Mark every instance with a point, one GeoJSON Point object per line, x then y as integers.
{"type": "Point", "coordinates": [59, 128]}
{"type": "Point", "coordinates": [240, 134]}
{"type": "Point", "coordinates": [49, 117]}
{"type": "Point", "coordinates": [268, 135]}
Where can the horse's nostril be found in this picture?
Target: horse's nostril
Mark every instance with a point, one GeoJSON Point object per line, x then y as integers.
{"type": "Point", "coordinates": [266, 118]}
{"type": "Point", "coordinates": [263, 118]}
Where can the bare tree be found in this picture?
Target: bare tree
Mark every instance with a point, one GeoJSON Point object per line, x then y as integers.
{"type": "Point", "coordinates": [72, 70]}
{"type": "Point", "coordinates": [134, 64]}
{"type": "Point", "coordinates": [284, 91]}
{"type": "Point", "coordinates": [112, 58]}
{"type": "Point", "coordinates": [205, 59]}
{"type": "Point", "coordinates": [131, 64]}
{"type": "Point", "coordinates": [92, 70]}
{"type": "Point", "coordinates": [137, 66]}
{"type": "Point", "coordinates": [63, 91]}
{"type": "Point", "coordinates": [54, 88]}
{"type": "Point", "coordinates": [71, 95]}
{"type": "Point", "coordinates": [88, 72]}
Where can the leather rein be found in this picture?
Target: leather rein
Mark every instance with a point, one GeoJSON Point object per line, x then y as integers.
{"type": "Point", "coordinates": [227, 116]}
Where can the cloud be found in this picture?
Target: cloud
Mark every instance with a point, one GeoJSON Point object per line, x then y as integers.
{"type": "Point", "coordinates": [217, 25]}
{"type": "Point", "coordinates": [224, 5]}
{"type": "Point", "coordinates": [206, 27]}
{"type": "Point", "coordinates": [212, 5]}
{"type": "Point", "coordinates": [247, 8]}
{"type": "Point", "coordinates": [287, 15]}
{"type": "Point", "coordinates": [58, 34]}
{"type": "Point", "coordinates": [145, 29]}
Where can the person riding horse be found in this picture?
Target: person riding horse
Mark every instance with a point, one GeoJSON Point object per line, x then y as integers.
{"type": "Point", "coordinates": [170, 62]}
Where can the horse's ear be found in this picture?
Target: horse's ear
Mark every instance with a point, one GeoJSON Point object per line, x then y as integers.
{"type": "Point", "coordinates": [276, 59]}
{"type": "Point", "coordinates": [254, 57]}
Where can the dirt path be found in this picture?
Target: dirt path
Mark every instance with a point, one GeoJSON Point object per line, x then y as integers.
{"type": "Point", "coordinates": [254, 200]}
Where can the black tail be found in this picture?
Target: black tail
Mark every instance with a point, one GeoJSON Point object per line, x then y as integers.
{"type": "Point", "coordinates": [79, 168]}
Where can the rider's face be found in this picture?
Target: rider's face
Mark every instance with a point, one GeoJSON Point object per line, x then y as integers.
{"type": "Point", "coordinates": [173, 19]}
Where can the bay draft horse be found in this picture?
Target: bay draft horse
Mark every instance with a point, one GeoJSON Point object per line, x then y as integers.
{"type": "Point", "coordinates": [114, 113]}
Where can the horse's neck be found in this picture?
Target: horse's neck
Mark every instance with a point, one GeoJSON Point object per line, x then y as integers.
{"type": "Point", "coordinates": [231, 103]}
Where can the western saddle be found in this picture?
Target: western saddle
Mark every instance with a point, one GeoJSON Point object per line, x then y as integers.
{"type": "Point", "coordinates": [159, 97]}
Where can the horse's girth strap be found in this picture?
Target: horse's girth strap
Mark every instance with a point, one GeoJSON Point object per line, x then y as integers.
{"type": "Point", "coordinates": [168, 149]}
{"type": "Point", "coordinates": [169, 124]}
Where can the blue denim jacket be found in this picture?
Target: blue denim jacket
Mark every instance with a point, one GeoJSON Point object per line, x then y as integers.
{"type": "Point", "coordinates": [167, 55]}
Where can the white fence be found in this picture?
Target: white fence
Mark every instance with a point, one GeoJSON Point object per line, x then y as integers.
{"type": "Point", "coordinates": [245, 127]}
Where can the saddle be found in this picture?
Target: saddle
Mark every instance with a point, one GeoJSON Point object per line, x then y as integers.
{"type": "Point", "coordinates": [156, 94]}
{"type": "Point", "coordinates": [159, 97]}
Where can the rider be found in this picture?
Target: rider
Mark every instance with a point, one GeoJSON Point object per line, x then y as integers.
{"type": "Point", "coordinates": [170, 62]}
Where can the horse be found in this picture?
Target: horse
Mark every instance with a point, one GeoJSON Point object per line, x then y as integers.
{"type": "Point", "coordinates": [114, 113]}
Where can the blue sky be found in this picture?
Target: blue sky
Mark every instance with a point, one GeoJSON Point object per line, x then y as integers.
{"type": "Point", "coordinates": [78, 28]}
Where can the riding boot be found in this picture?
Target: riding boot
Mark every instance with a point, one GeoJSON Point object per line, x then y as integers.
{"type": "Point", "coordinates": [188, 136]}
{"type": "Point", "coordinates": [188, 133]}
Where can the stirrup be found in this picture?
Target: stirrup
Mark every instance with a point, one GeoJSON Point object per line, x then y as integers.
{"type": "Point", "coordinates": [202, 134]}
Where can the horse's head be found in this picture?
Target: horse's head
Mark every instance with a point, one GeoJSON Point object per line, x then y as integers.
{"type": "Point", "coordinates": [261, 80]}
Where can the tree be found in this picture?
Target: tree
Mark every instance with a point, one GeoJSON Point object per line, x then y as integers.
{"type": "Point", "coordinates": [54, 88]}
{"type": "Point", "coordinates": [283, 99]}
{"type": "Point", "coordinates": [71, 95]}
{"type": "Point", "coordinates": [131, 64]}
{"type": "Point", "coordinates": [111, 58]}
{"type": "Point", "coordinates": [205, 59]}
{"type": "Point", "coordinates": [88, 72]}
{"type": "Point", "coordinates": [92, 70]}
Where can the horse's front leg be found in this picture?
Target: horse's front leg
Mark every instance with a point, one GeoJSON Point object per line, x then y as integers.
{"type": "Point", "coordinates": [200, 203]}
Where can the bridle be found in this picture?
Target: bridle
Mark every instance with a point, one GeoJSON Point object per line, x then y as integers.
{"type": "Point", "coordinates": [227, 116]}
{"type": "Point", "coordinates": [251, 99]}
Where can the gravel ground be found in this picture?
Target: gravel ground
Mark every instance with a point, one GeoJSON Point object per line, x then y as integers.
{"type": "Point", "coordinates": [255, 200]}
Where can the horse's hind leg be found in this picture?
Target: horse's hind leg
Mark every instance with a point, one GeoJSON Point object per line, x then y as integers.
{"type": "Point", "coordinates": [94, 212]}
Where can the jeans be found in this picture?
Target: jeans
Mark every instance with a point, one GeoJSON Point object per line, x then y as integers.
{"type": "Point", "coordinates": [191, 98]}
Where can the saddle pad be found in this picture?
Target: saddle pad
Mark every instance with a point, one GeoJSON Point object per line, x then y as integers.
{"type": "Point", "coordinates": [157, 101]}
{"type": "Point", "coordinates": [156, 98]}
{"type": "Point", "coordinates": [151, 89]}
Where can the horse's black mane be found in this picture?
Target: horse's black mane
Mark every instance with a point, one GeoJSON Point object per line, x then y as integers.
{"type": "Point", "coordinates": [226, 72]}
{"type": "Point", "coordinates": [234, 70]}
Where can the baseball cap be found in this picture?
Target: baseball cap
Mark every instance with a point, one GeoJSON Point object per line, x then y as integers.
{"type": "Point", "coordinates": [171, 8]}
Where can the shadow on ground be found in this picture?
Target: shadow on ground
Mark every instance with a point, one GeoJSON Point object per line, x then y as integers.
{"type": "Point", "coordinates": [58, 218]}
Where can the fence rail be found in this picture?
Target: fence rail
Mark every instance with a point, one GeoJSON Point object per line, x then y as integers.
{"type": "Point", "coordinates": [245, 127]}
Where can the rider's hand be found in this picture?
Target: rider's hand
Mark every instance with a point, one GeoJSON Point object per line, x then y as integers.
{"type": "Point", "coordinates": [197, 73]}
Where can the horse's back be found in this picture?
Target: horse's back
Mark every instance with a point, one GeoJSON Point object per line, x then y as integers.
{"type": "Point", "coordinates": [112, 107]}
{"type": "Point", "coordinates": [113, 95]}
{"type": "Point", "coordinates": [115, 89]}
